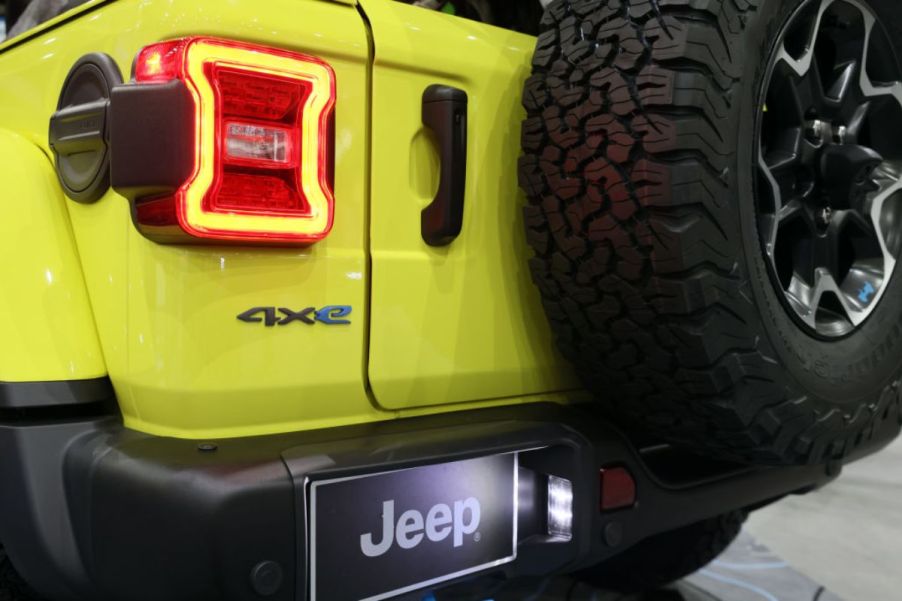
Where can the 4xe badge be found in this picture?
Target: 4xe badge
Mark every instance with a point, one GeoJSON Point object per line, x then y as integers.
{"type": "Point", "coordinates": [332, 315]}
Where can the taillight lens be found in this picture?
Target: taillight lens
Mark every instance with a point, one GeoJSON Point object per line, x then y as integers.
{"type": "Point", "coordinates": [263, 143]}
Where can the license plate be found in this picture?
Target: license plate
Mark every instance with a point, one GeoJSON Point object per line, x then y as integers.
{"type": "Point", "coordinates": [379, 535]}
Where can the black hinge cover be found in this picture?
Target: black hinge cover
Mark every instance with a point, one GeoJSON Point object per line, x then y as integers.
{"type": "Point", "coordinates": [78, 129]}
{"type": "Point", "coordinates": [152, 136]}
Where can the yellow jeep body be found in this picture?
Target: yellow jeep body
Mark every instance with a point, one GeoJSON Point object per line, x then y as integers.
{"type": "Point", "coordinates": [160, 441]}
{"type": "Point", "coordinates": [431, 329]}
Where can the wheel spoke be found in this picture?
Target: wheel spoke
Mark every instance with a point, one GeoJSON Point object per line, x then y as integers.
{"type": "Point", "coordinates": [782, 210]}
{"type": "Point", "coordinates": [844, 220]}
{"type": "Point", "coordinates": [785, 87]}
{"type": "Point", "coordinates": [856, 122]}
{"type": "Point", "coordinates": [830, 246]}
{"type": "Point", "coordinates": [893, 90]}
{"type": "Point", "coordinates": [868, 88]}
{"type": "Point", "coordinates": [889, 180]}
{"type": "Point", "coordinates": [808, 301]}
{"type": "Point", "coordinates": [779, 160]}
{"type": "Point", "coordinates": [790, 210]}
{"type": "Point", "coordinates": [810, 89]}
{"type": "Point", "coordinates": [770, 224]}
{"type": "Point", "coordinates": [844, 81]}
{"type": "Point", "coordinates": [802, 65]}
{"type": "Point", "coordinates": [767, 222]}
{"type": "Point", "coordinates": [826, 283]}
{"type": "Point", "coordinates": [801, 296]}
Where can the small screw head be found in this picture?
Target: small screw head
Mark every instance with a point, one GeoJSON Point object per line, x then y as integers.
{"type": "Point", "coordinates": [207, 447]}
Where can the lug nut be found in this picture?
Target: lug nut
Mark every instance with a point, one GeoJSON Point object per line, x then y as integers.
{"type": "Point", "coordinates": [824, 216]}
{"type": "Point", "coordinates": [814, 131]}
{"type": "Point", "coordinates": [839, 134]}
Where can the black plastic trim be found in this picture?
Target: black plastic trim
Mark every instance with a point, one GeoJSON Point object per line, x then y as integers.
{"type": "Point", "coordinates": [36, 525]}
{"type": "Point", "coordinates": [22, 395]}
{"type": "Point", "coordinates": [445, 114]}
{"type": "Point", "coordinates": [92, 510]}
{"type": "Point", "coordinates": [152, 134]}
{"type": "Point", "coordinates": [78, 133]}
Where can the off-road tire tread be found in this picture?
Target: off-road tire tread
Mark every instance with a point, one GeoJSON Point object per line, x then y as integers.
{"type": "Point", "coordinates": [12, 587]}
{"type": "Point", "coordinates": [629, 150]}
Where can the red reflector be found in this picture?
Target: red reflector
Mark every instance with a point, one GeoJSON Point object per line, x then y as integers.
{"type": "Point", "coordinates": [617, 488]}
{"type": "Point", "coordinates": [160, 62]}
{"type": "Point", "coordinates": [263, 133]}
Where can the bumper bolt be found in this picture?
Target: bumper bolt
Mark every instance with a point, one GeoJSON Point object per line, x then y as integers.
{"type": "Point", "coordinates": [267, 578]}
{"type": "Point", "coordinates": [613, 534]}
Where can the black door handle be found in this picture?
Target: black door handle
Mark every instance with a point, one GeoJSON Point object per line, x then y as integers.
{"type": "Point", "coordinates": [445, 113]}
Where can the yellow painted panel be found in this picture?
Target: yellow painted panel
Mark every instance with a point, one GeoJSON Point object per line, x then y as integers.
{"type": "Point", "coordinates": [46, 327]}
{"type": "Point", "coordinates": [462, 322]}
{"type": "Point", "coordinates": [181, 362]}
{"type": "Point", "coordinates": [87, 6]}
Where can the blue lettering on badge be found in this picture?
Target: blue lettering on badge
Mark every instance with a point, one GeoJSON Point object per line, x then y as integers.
{"type": "Point", "coordinates": [866, 293]}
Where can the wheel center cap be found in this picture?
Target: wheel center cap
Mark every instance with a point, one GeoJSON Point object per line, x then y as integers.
{"type": "Point", "coordinates": [847, 174]}
{"type": "Point", "coordinates": [845, 171]}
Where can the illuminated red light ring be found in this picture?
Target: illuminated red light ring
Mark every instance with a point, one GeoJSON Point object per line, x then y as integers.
{"type": "Point", "coordinates": [187, 60]}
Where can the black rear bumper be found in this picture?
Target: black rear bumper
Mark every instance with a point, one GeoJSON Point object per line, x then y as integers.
{"type": "Point", "coordinates": [92, 511]}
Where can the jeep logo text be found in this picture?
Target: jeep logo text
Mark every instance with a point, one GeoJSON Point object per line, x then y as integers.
{"type": "Point", "coordinates": [440, 523]}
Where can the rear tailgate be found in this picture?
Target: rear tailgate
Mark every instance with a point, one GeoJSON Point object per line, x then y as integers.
{"type": "Point", "coordinates": [462, 321]}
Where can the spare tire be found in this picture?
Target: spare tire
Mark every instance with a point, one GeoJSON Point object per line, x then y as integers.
{"type": "Point", "coordinates": [12, 587]}
{"type": "Point", "coordinates": [715, 209]}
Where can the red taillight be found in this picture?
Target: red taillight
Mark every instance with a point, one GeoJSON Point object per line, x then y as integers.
{"type": "Point", "coordinates": [263, 146]}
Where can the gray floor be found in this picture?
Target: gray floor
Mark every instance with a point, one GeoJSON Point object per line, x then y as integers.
{"type": "Point", "coordinates": [847, 536]}
{"type": "Point", "coordinates": [747, 571]}
{"type": "Point", "coordinates": [750, 571]}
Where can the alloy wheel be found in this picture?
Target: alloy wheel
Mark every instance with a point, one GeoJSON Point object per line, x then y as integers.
{"type": "Point", "coordinates": [829, 165]}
